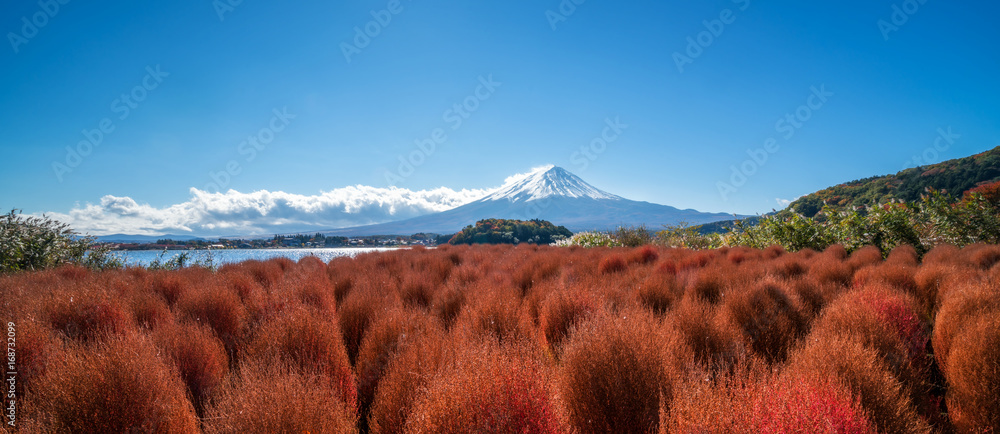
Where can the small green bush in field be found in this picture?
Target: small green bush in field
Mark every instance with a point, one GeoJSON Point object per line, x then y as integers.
{"type": "Point", "coordinates": [35, 243]}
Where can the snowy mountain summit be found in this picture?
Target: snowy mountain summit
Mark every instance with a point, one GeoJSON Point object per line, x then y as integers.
{"type": "Point", "coordinates": [546, 181]}
{"type": "Point", "coordinates": [547, 193]}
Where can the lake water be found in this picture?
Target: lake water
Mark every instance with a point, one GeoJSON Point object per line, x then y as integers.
{"type": "Point", "coordinates": [227, 256]}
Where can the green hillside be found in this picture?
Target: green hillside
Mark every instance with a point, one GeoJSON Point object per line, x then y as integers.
{"type": "Point", "coordinates": [954, 176]}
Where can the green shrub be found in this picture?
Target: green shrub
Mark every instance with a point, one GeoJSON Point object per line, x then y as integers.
{"type": "Point", "coordinates": [35, 243]}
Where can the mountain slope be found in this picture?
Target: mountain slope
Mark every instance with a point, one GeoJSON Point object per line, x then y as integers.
{"type": "Point", "coordinates": [955, 176]}
{"type": "Point", "coordinates": [552, 194]}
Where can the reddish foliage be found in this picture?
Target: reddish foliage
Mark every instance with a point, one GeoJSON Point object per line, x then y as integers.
{"type": "Point", "coordinates": [644, 255]}
{"type": "Point", "coordinates": [312, 344]}
{"type": "Point", "coordinates": [387, 335]}
{"type": "Point", "coordinates": [973, 375]}
{"type": "Point", "coordinates": [797, 406]}
{"type": "Point", "coordinates": [87, 316]}
{"type": "Point", "coordinates": [198, 356]}
{"type": "Point", "coordinates": [489, 387]}
{"type": "Point", "coordinates": [613, 375]}
{"type": "Point", "coordinates": [405, 376]}
{"type": "Point", "coordinates": [560, 311]}
{"type": "Point", "coordinates": [613, 264]}
{"type": "Point", "coordinates": [272, 397]}
{"type": "Point", "coordinates": [768, 319]}
{"type": "Point", "coordinates": [119, 385]}
{"type": "Point", "coordinates": [518, 338]}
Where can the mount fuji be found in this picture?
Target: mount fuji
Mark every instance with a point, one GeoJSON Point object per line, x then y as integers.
{"type": "Point", "coordinates": [549, 193]}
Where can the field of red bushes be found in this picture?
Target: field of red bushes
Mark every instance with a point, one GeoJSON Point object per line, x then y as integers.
{"type": "Point", "coordinates": [518, 339]}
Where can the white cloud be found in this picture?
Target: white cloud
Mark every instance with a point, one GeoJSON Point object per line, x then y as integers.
{"type": "Point", "coordinates": [263, 212]}
{"type": "Point", "coordinates": [783, 203]}
{"type": "Point", "coordinates": [517, 177]}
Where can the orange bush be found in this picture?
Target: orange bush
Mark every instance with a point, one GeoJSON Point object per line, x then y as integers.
{"type": "Point", "coordinates": [973, 375]}
{"type": "Point", "coordinates": [560, 311]}
{"type": "Point", "coordinates": [489, 387]}
{"type": "Point", "coordinates": [405, 377]}
{"type": "Point", "coordinates": [198, 356]}
{"type": "Point", "coordinates": [659, 292]}
{"type": "Point", "coordinates": [613, 264]}
{"type": "Point", "coordinates": [613, 376]}
{"type": "Point", "coordinates": [385, 337]}
{"type": "Point", "coordinates": [714, 343]}
{"type": "Point", "coordinates": [273, 397]}
{"type": "Point", "coordinates": [87, 315]}
{"type": "Point", "coordinates": [312, 344]}
{"type": "Point", "coordinates": [355, 315]}
{"type": "Point", "coordinates": [119, 385]}
{"type": "Point", "coordinates": [768, 319]}
{"type": "Point", "coordinates": [218, 307]}
{"type": "Point", "coordinates": [843, 359]}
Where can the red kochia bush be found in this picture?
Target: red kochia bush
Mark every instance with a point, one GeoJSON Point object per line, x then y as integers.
{"type": "Point", "coordinates": [962, 304]}
{"type": "Point", "coordinates": [644, 255]}
{"type": "Point", "coordinates": [612, 264]}
{"type": "Point", "coordinates": [490, 387]}
{"type": "Point", "coordinates": [840, 357]}
{"type": "Point", "coordinates": [119, 385]}
{"type": "Point", "coordinates": [88, 315]}
{"type": "Point", "coordinates": [894, 275]}
{"type": "Point", "coordinates": [385, 337]}
{"type": "Point", "coordinates": [405, 377]}
{"type": "Point", "coordinates": [312, 344]}
{"type": "Point", "coordinates": [750, 400]}
{"type": "Point", "coordinates": [355, 315]}
{"type": "Point", "coordinates": [498, 314]}
{"type": "Point", "coordinates": [613, 376]}
{"type": "Point", "coordinates": [199, 357]}
{"type": "Point", "coordinates": [803, 406]}
{"type": "Point", "coordinates": [715, 345]}
{"type": "Point", "coordinates": [218, 307]}
{"type": "Point", "coordinates": [884, 320]}
{"type": "Point", "coordinates": [659, 292]}
{"type": "Point", "coordinates": [560, 311]}
{"type": "Point", "coordinates": [973, 375]}
{"type": "Point", "coordinates": [768, 319]}
{"type": "Point", "coordinates": [273, 397]}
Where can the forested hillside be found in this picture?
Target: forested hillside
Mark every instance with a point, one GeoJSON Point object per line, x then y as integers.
{"type": "Point", "coordinates": [954, 176]}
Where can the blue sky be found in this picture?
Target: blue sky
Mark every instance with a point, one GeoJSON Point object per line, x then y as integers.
{"type": "Point", "coordinates": [222, 73]}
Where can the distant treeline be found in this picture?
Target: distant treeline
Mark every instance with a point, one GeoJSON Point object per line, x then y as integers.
{"type": "Point", "coordinates": [503, 231]}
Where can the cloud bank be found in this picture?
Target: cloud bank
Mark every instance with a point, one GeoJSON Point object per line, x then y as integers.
{"type": "Point", "coordinates": [262, 213]}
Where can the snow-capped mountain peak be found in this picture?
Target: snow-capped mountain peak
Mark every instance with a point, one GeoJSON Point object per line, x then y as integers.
{"type": "Point", "coordinates": [546, 181]}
